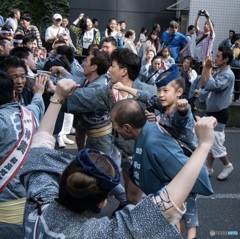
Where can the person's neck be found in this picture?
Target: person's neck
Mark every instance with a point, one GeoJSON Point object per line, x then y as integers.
{"type": "Point", "coordinates": [136, 134]}
{"type": "Point", "coordinates": [92, 77]}
{"type": "Point", "coordinates": [222, 67]}
{"type": "Point", "coordinates": [17, 97]}
{"type": "Point", "coordinates": [170, 108]}
{"type": "Point", "coordinates": [127, 82]}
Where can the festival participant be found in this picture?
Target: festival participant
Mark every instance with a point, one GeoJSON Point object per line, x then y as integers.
{"type": "Point", "coordinates": [63, 209]}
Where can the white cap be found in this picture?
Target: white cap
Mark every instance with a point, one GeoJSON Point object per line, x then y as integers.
{"type": "Point", "coordinates": [57, 16]}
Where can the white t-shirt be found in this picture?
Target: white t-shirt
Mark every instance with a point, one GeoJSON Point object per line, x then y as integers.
{"type": "Point", "coordinates": [88, 38]}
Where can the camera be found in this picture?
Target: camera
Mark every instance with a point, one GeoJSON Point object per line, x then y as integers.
{"type": "Point", "coordinates": [202, 12]}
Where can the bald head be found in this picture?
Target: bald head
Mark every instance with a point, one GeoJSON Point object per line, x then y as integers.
{"type": "Point", "coordinates": [129, 111]}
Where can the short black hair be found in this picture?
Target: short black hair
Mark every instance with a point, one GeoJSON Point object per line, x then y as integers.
{"type": "Point", "coordinates": [110, 39]}
{"type": "Point", "coordinates": [21, 52]}
{"type": "Point", "coordinates": [6, 88]}
{"type": "Point", "coordinates": [226, 53]}
{"type": "Point", "coordinates": [12, 61]}
{"type": "Point", "coordinates": [94, 20]}
{"type": "Point", "coordinates": [190, 27]}
{"type": "Point", "coordinates": [126, 58]}
{"type": "Point", "coordinates": [29, 39]}
{"type": "Point", "coordinates": [102, 60]}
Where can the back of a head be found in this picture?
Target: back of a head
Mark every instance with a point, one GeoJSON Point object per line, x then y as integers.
{"type": "Point", "coordinates": [13, 12]}
{"type": "Point", "coordinates": [126, 58]}
{"type": "Point", "coordinates": [87, 181]}
{"type": "Point", "coordinates": [129, 33]}
{"type": "Point", "coordinates": [6, 88]}
{"type": "Point", "coordinates": [58, 60]}
{"type": "Point", "coordinates": [21, 52]}
{"type": "Point", "coordinates": [66, 51]}
{"type": "Point", "coordinates": [102, 60]}
{"type": "Point", "coordinates": [129, 111]}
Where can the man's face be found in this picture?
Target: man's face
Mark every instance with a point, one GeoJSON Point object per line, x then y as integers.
{"type": "Point", "coordinates": [87, 66]}
{"type": "Point", "coordinates": [108, 47]}
{"type": "Point", "coordinates": [19, 77]}
{"type": "Point", "coordinates": [116, 73]}
{"type": "Point", "coordinates": [66, 39]}
{"type": "Point", "coordinates": [30, 61]}
{"type": "Point", "coordinates": [57, 22]}
{"type": "Point", "coordinates": [173, 31]}
{"type": "Point", "coordinates": [192, 31]}
{"type": "Point", "coordinates": [219, 61]}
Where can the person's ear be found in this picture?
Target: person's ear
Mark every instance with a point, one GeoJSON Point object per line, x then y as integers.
{"type": "Point", "coordinates": [127, 128]}
{"type": "Point", "coordinates": [179, 92]}
{"type": "Point", "coordinates": [124, 71]}
{"type": "Point", "coordinates": [94, 67]}
{"type": "Point", "coordinates": [1, 48]}
{"type": "Point", "coordinates": [102, 204]}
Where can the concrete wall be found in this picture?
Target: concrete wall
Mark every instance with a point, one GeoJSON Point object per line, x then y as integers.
{"type": "Point", "coordinates": [136, 13]}
{"type": "Point", "coordinates": [224, 14]}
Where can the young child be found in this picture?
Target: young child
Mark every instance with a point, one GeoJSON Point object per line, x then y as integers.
{"type": "Point", "coordinates": [166, 58]}
{"type": "Point", "coordinates": [189, 75]}
{"type": "Point", "coordinates": [149, 74]}
{"type": "Point", "coordinates": [176, 117]}
{"type": "Point", "coordinates": [175, 113]}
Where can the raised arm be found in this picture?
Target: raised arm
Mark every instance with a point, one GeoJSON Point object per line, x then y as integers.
{"type": "Point", "coordinates": [64, 88]}
{"type": "Point", "coordinates": [181, 185]}
{"type": "Point", "coordinates": [207, 71]}
{"type": "Point", "coordinates": [196, 21]}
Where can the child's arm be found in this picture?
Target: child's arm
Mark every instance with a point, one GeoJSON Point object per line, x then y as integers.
{"type": "Point", "coordinates": [121, 87]}
{"type": "Point", "coordinates": [150, 100]}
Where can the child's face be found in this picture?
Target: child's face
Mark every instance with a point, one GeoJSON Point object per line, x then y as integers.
{"type": "Point", "coordinates": [156, 64]}
{"type": "Point", "coordinates": [150, 55]}
{"type": "Point", "coordinates": [165, 52]}
{"type": "Point", "coordinates": [168, 95]}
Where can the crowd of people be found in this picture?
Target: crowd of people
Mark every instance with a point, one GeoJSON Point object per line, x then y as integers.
{"type": "Point", "coordinates": [135, 114]}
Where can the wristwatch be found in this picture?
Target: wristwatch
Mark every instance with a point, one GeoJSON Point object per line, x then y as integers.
{"type": "Point", "coordinates": [56, 100]}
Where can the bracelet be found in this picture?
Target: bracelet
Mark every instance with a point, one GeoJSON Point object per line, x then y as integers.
{"type": "Point", "coordinates": [56, 100]}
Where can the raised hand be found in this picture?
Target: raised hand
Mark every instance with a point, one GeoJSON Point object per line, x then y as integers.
{"type": "Point", "coordinates": [182, 105]}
